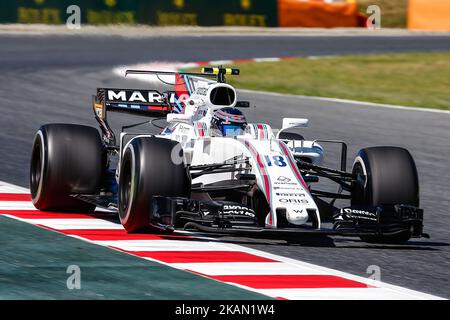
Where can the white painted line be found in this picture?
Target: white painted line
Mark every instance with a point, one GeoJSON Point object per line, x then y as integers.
{"type": "Point", "coordinates": [274, 59]}
{"type": "Point", "coordinates": [187, 66]}
{"type": "Point", "coordinates": [337, 294]}
{"type": "Point", "coordinates": [166, 245]}
{"type": "Point", "coordinates": [16, 205]}
{"type": "Point", "coordinates": [321, 57]}
{"type": "Point", "coordinates": [217, 62]}
{"type": "Point", "coordinates": [11, 188]}
{"type": "Point", "coordinates": [246, 268]}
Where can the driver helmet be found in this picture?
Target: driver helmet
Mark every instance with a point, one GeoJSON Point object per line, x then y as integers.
{"type": "Point", "coordinates": [228, 122]}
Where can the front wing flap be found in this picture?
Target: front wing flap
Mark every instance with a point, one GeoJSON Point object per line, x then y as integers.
{"type": "Point", "coordinates": [380, 220]}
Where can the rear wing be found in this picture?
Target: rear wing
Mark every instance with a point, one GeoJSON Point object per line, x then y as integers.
{"type": "Point", "coordinates": [149, 103]}
{"type": "Point", "coordinates": [218, 73]}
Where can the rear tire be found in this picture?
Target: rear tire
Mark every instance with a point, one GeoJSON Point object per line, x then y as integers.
{"type": "Point", "coordinates": [146, 170]}
{"type": "Point", "coordinates": [66, 159]}
{"type": "Point", "coordinates": [387, 176]}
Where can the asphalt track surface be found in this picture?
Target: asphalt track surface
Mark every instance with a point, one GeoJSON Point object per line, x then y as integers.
{"type": "Point", "coordinates": [51, 79]}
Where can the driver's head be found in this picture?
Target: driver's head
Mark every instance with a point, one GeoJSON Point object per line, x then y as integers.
{"type": "Point", "coordinates": [228, 122]}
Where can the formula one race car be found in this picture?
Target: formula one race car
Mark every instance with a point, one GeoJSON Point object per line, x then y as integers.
{"type": "Point", "coordinates": [209, 170]}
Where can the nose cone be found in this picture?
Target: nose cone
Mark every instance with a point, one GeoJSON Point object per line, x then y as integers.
{"type": "Point", "coordinates": [297, 216]}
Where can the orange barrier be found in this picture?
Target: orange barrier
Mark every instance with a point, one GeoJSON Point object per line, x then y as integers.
{"type": "Point", "coordinates": [317, 14]}
{"type": "Point", "coordinates": [429, 15]}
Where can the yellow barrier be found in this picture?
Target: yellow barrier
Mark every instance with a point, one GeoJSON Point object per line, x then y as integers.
{"type": "Point", "coordinates": [429, 15]}
{"type": "Point", "coordinates": [317, 14]}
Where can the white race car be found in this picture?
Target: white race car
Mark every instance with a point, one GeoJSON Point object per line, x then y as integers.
{"type": "Point", "coordinates": [209, 170]}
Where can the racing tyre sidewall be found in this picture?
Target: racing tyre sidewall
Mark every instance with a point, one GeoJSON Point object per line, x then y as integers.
{"type": "Point", "coordinates": [385, 176]}
{"type": "Point", "coordinates": [146, 170]}
{"type": "Point", "coordinates": [65, 159]}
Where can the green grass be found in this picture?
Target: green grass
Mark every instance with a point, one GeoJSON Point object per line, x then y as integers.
{"type": "Point", "coordinates": [420, 80]}
{"type": "Point", "coordinates": [393, 12]}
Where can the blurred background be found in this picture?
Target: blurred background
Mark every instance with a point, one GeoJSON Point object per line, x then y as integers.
{"type": "Point", "coordinates": [412, 14]}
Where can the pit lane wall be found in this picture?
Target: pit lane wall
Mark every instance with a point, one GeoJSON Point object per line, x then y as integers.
{"type": "Point", "coordinates": [257, 13]}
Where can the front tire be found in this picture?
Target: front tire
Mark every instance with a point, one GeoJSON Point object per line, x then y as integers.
{"type": "Point", "coordinates": [66, 159]}
{"type": "Point", "coordinates": [386, 176]}
{"type": "Point", "coordinates": [149, 167]}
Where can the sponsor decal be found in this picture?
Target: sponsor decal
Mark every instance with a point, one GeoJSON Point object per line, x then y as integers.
{"type": "Point", "coordinates": [283, 194]}
{"type": "Point", "coordinates": [98, 110]}
{"type": "Point", "coordinates": [238, 210]}
{"type": "Point", "coordinates": [286, 183]}
{"type": "Point", "coordinates": [202, 91]}
{"type": "Point", "coordinates": [183, 129]}
{"type": "Point", "coordinates": [350, 213]}
{"type": "Point", "coordinates": [134, 96]}
{"type": "Point", "coordinates": [246, 4]}
{"type": "Point", "coordinates": [286, 188]}
{"type": "Point", "coordinates": [297, 201]}
{"type": "Point", "coordinates": [232, 209]}
{"type": "Point", "coordinates": [283, 179]}
{"type": "Point", "coordinates": [110, 3]}
{"type": "Point", "coordinates": [178, 3]}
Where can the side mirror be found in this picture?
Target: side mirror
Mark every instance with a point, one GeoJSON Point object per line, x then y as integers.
{"type": "Point", "coordinates": [294, 123]}
{"type": "Point", "coordinates": [290, 123]}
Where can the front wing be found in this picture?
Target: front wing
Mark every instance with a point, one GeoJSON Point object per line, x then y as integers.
{"type": "Point", "coordinates": [181, 213]}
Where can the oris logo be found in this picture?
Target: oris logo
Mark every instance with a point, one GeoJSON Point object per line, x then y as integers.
{"type": "Point", "coordinates": [297, 201]}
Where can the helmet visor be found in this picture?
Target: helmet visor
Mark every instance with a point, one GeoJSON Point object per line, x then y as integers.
{"type": "Point", "coordinates": [232, 130]}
